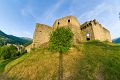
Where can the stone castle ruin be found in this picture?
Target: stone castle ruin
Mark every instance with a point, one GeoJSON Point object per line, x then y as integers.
{"type": "Point", "coordinates": [91, 30]}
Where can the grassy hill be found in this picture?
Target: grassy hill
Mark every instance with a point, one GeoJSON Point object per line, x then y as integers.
{"type": "Point", "coordinates": [88, 61]}
{"type": "Point", "coordinates": [4, 39]}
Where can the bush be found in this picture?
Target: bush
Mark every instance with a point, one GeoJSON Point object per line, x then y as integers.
{"type": "Point", "coordinates": [7, 52]}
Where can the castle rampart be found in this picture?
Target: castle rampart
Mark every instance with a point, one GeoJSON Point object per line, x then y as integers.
{"type": "Point", "coordinates": [90, 30]}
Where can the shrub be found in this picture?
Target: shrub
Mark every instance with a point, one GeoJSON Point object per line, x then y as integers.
{"type": "Point", "coordinates": [7, 52]}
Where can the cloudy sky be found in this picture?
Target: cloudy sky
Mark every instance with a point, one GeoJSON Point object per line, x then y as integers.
{"type": "Point", "coordinates": [18, 17]}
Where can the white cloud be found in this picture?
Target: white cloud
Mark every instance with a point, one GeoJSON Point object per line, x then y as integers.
{"type": "Point", "coordinates": [95, 12]}
{"type": "Point", "coordinates": [107, 14]}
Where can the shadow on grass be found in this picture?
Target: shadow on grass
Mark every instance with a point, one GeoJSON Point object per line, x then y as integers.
{"type": "Point", "coordinates": [3, 63]}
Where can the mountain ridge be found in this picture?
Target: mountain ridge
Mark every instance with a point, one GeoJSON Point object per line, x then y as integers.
{"type": "Point", "coordinates": [116, 40]}
{"type": "Point", "coordinates": [11, 39]}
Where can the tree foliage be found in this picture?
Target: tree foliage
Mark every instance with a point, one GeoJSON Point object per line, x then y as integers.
{"type": "Point", "coordinates": [11, 51]}
{"type": "Point", "coordinates": [7, 52]}
{"type": "Point", "coordinates": [61, 40]}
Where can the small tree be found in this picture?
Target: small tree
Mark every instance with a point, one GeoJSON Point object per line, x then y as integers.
{"type": "Point", "coordinates": [61, 41]}
{"type": "Point", "coordinates": [7, 52]}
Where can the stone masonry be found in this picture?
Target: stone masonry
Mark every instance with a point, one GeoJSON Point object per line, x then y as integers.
{"type": "Point", "coordinates": [90, 30]}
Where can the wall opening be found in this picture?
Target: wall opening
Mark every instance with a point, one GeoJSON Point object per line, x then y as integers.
{"type": "Point", "coordinates": [68, 20]}
{"type": "Point", "coordinates": [87, 35]}
{"type": "Point", "coordinates": [88, 39]}
{"type": "Point", "coordinates": [58, 23]}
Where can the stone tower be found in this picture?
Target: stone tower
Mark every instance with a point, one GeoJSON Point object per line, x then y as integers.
{"type": "Point", "coordinates": [72, 23]}
{"type": "Point", "coordinates": [92, 30]}
{"type": "Point", "coordinates": [41, 34]}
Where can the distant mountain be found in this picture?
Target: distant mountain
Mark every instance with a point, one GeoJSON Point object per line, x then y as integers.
{"type": "Point", "coordinates": [4, 39]}
{"type": "Point", "coordinates": [26, 38]}
{"type": "Point", "coordinates": [117, 40]}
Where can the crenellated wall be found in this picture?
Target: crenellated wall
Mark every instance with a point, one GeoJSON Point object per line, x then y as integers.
{"type": "Point", "coordinates": [87, 31]}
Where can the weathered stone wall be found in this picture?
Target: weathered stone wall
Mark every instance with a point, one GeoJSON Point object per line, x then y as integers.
{"type": "Point", "coordinates": [98, 32]}
{"type": "Point", "coordinates": [66, 21]}
{"type": "Point", "coordinates": [95, 30]}
{"type": "Point", "coordinates": [73, 24]}
{"type": "Point", "coordinates": [87, 31]}
{"type": "Point", "coordinates": [41, 34]}
{"type": "Point", "coordinates": [91, 30]}
{"type": "Point", "coordinates": [101, 33]}
{"type": "Point", "coordinates": [107, 35]}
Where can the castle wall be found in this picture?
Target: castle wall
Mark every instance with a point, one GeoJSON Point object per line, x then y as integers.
{"type": "Point", "coordinates": [73, 24]}
{"type": "Point", "coordinates": [41, 34]}
{"type": "Point", "coordinates": [91, 30]}
{"type": "Point", "coordinates": [66, 21]}
{"type": "Point", "coordinates": [77, 38]}
{"type": "Point", "coordinates": [107, 35]}
{"type": "Point", "coordinates": [101, 33]}
{"type": "Point", "coordinates": [87, 32]}
{"type": "Point", "coordinates": [98, 32]}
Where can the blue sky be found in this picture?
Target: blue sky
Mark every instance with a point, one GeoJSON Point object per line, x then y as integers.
{"type": "Point", "coordinates": [19, 17]}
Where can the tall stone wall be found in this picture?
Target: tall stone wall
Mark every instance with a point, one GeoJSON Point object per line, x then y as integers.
{"type": "Point", "coordinates": [107, 35]}
{"type": "Point", "coordinates": [41, 34]}
{"type": "Point", "coordinates": [73, 24]}
{"type": "Point", "coordinates": [100, 33]}
{"type": "Point", "coordinates": [95, 30]}
{"type": "Point", "coordinates": [66, 21]}
{"type": "Point", "coordinates": [87, 31]}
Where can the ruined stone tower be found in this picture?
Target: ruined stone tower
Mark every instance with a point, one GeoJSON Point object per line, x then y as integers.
{"type": "Point", "coordinates": [73, 24]}
{"type": "Point", "coordinates": [41, 34]}
{"type": "Point", "coordinates": [90, 30]}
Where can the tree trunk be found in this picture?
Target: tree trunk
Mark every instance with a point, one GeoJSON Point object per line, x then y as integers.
{"type": "Point", "coordinates": [60, 70]}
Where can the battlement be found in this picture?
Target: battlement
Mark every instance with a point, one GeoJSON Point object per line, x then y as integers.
{"type": "Point", "coordinates": [89, 23]}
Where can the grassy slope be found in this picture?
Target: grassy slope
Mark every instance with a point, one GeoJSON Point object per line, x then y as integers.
{"type": "Point", "coordinates": [88, 61]}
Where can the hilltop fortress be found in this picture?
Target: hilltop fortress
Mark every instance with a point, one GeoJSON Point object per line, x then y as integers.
{"type": "Point", "coordinates": [91, 30]}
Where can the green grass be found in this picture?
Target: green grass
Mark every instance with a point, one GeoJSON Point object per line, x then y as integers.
{"type": "Point", "coordinates": [3, 63]}
{"type": "Point", "coordinates": [99, 61]}
{"type": "Point", "coordinates": [88, 61]}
